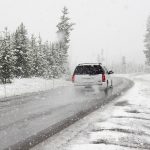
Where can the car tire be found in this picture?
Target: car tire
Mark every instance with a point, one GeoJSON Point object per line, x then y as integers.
{"type": "Point", "coordinates": [107, 84]}
{"type": "Point", "coordinates": [111, 84]}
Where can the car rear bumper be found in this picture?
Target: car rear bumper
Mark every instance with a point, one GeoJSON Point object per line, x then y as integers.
{"type": "Point", "coordinates": [103, 84]}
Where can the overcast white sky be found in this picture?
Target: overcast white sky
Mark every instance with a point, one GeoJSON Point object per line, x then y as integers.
{"type": "Point", "coordinates": [116, 26]}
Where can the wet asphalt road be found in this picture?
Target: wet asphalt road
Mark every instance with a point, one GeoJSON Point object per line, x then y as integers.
{"type": "Point", "coordinates": [25, 117]}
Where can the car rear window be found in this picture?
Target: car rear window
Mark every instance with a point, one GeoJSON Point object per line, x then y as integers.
{"type": "Point", "coordinates": [88, 69]}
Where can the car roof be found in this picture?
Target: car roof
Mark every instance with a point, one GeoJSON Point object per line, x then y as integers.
{"type": "Point", "coordinates": [84, 64]}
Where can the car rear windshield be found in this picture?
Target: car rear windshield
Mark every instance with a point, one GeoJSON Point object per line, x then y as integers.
{"type": "Point", "coordinates": [88, 69]}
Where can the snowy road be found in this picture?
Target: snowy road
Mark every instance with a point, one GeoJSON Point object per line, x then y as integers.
{"type": "Point", "coordinates": [123, 124]}
{"type": "Point", "coordinates": [23, 119]}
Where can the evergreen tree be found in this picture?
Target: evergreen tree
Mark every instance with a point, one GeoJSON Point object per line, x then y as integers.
{"type": "Point", "coordinates": [20, 46]}
{"type": "Point", "coordinates": [56, 60]}
{"type": "Point", "coordinates": [64, 29]}
{"type": "Point", "coordinates": [5, 57]}
{"type": "Point", "coordinates": [33, 56]}
{"type": "Point", "coordinates": [147, 43]}
{"type": "Point", "coordinates": [46, 60]}
{"type": "Point", "coordinates": [40, 58]}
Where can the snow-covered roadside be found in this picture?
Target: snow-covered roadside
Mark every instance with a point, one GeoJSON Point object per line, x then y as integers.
{"type": "Point", "coordinates": [29, 85]}
{"type": "Point", "coordinates": [121, 125]}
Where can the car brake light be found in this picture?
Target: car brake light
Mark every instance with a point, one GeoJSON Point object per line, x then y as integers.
{"type": "Point", "coordinates": [73, 78]}
{"type": "Point", "coordinates": [103, 78]}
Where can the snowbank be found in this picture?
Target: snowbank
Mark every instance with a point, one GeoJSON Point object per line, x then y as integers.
{"type": "Point", "coordinates": [29, 85]}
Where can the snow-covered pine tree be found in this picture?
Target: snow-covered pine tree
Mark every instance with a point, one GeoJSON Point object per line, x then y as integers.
{"type": "Point", "coordinates": [64, 29]}
{"type": "Point", "coordinates": [47, 60]}
{"type": "Point", "coordinates": [5, 57]}
{"type": "Point", "coordinates": [53, 55]}
{"type": "Point", "coordinates": [57, 60]}
{"type": "Point", "coordinates": [40, 58]}
{"type": "Point", "coordinates": [147, 42]}
{"type": "Point", "coordinates": [20, 46]}
{"type": "Point", "coordinates": [33, 56]}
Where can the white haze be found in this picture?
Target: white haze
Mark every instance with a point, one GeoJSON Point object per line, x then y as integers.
{"type": "Point", "coordinates": [116, 26]}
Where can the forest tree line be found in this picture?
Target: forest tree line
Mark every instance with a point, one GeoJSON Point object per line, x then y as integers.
{"type": "Point", "coordinates": [147, 43]}
{"type": "Point", "coordinates": [22, 56]}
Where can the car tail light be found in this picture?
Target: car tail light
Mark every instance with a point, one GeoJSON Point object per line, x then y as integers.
{"type": "Point", "coordinates": [103, 78]}
{"type": "Point", "coordinates": [73, 78]}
